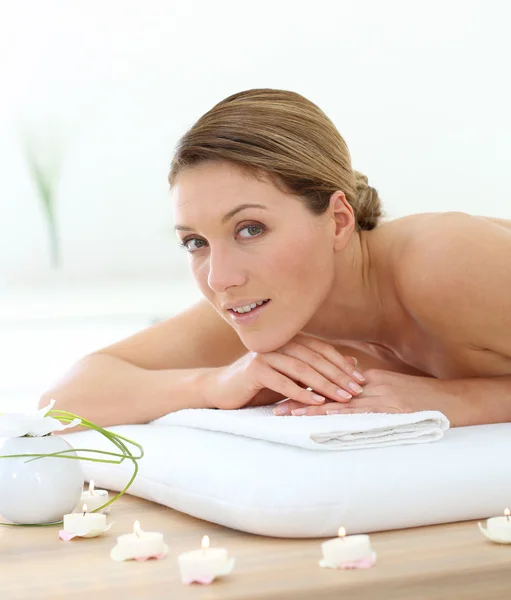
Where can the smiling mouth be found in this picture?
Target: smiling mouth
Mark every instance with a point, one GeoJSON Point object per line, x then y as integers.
{"type": "Point", "coordinates": [249, 308]}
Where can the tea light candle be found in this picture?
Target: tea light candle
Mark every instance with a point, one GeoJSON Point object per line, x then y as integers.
{"type": "Point", "coordinates": [139, 545]}
{"type": "Point", "coordinates": [353, 551]}
{"type": "Point", "coordinates": [498, 529]}
{"type": "Point", "coordinates": [204, 565]}
{"type": "Point", "coordinates": [83, 524]}
{"type": "Point", "coordinates": [93, 498]}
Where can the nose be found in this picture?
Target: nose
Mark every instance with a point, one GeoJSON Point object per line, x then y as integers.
{"type": "Point", "coordinates": [225, 269]}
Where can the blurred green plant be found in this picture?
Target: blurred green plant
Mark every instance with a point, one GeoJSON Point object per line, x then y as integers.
{"type": "Point", "coordinates": [45, 175]}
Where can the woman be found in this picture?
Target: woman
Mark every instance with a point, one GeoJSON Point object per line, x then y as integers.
{"type": "Point", "coordinates": [301, 279]}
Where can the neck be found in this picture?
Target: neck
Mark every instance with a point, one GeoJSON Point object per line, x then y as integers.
{"type": "Point", "coordinates": [362, 304]}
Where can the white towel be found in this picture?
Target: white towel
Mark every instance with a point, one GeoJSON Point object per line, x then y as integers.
{"type": "Point", "coordinates": [322, 432]}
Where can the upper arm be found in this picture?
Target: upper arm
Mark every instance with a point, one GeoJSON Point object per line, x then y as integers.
{"type": "Point", "coordinates": [456, 282]}
{"type": "Point", "coordinates": [196, 337]}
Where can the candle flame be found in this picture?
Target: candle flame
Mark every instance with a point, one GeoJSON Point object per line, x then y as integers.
{"type": "Point", "coordinates": [84, 508]}
{"type": "Point", "coordinates": [205, 542]}
{"type": "Point", "coordinates": [136, 527]}
{"type": "Point", "coordinates": [507, 512]}
{"type": "Point", "coordinates": [91, 487]}
{"type": "Point", "coordinates": [342, 532]}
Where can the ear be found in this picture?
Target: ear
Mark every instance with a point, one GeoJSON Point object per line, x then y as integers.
{"type": "Point", "coordinates": [342, 214]}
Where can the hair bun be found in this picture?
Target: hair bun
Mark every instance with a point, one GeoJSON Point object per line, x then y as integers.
{"type": "Point", "coordinates": [368, 205]}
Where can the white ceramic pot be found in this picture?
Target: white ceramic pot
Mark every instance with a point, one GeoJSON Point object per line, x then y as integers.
{"type": "Point", "coordinates": [40, 491]}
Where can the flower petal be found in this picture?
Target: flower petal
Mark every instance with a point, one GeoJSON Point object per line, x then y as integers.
{"type": "Point", "coordinates": [202, 579]}
{"type": "Point", "coordinates": [42, 412]}
{"type": "Point", "coordinates": [64, 535]}
{"type": "Point", "coordinates": [36, 424]}
{"type": "Point", "coordinates": [14, 425]}
{"type": "Point", "coordinates": [49, 425]}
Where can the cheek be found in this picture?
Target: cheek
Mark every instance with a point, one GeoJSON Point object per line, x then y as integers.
{"type": "Point", "coordinates": [300, 263]}
{"type": "Point", "coordinates": [200, 274]}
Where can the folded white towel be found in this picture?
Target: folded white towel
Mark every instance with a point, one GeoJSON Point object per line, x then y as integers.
{"type": "Point", "coordinates": [328, 432]}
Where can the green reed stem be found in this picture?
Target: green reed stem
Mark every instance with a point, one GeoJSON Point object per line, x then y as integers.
{"type": "Point", "coordinates": [115, 438]}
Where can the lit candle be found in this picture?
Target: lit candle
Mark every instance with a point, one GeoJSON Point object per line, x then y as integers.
{"type": "Point", "coordinates": [498, 529]}
{"type": "Point", "coordinates": [139, 545]}
{"type": "Point", "coordinates": [83, 524]}
{"type": "Point", "coordinates": [347, 552]}
{"type": "Point", "coordinates": [204, 565]}
{"type": "Point", "coordinates": [93, 498]}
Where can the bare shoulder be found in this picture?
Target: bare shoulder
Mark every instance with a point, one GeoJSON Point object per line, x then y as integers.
{"type": "Point", "coordinates": [421, 230]}
{"type": "Point", "coordinates": [443, 257]}
{"type": "Point", "coordinates": [197, 337]}
{"type": "Point", "coordinates": [435, 243]}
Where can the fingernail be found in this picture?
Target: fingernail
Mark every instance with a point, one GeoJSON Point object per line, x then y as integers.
{"type": "Point", "coordinates": [355, 360]}
{"type": "Point", "coordinates": [317, 398]}
{"type": "Point", "coordinates": [344, 394]}
{"type": "Point", "coordinates": [358, 376]}
{"type": "Point", "coordinates": [299, 411]}
{"type": "Point", "coordinates": [355, 387]}
{"type": "Point", "coordinates": [333, 411]}
{"type": "Point", "coordinates": [281, 410]}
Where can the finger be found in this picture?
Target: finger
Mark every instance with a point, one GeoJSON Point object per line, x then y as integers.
{"type": "Point", "coordinates": [281, 383]}
{"type": "Point", "coordinates": [345, 363]}
{"type": "Point", "coordinates": [290, 407]}
{"type": "Point", "coordinates": [351, 411]}
{"type": "Point", "coordinates": [312, 411]}
{"type": "Point", "coordinates": [331, 408]}
{"type": "Point", "coordinates": [334, 381]}
{"type": "Point", "coordinates": [361, 410]}
{"type": "Point", "coordinates": [303, 373]}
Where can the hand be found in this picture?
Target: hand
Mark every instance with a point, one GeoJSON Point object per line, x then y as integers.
{"type": "Point", "coordinates": [304, 362]}
{"type": "Point", "coordinates": [387, 392]}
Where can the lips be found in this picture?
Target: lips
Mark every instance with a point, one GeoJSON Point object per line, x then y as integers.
{"type": "Point", "coordinates": [258, 304]}
{"type": "Point", "coordinates": [247, 318]}
{"type": "Point", "coordinates": [241, 304]}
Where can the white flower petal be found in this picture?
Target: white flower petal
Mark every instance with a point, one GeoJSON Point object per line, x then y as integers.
{"type": "Point", "coordinates": [49, 425]}
{"type": "Point", "coordinates": [42, 412]}
{"type": "Point", "coordinates": [36, 424]}
{"type": "Point", "coordinates": [11, 426]}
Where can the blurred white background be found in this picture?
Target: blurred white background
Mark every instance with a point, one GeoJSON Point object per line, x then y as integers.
{"type": "Point", "coordinates": [105, 89]}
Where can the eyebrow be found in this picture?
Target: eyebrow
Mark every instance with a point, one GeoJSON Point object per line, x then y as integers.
{"type": "Point", "coordinates": [226, 217]}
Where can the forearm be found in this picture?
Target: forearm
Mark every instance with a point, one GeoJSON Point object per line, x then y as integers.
{"type": "Point", "coordinates": [110, 391]}
{"type": "Point", "coordinates": [482, 400]}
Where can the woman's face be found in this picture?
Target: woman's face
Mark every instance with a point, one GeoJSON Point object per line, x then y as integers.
{"type": "Point", "coordinates": [248, 242]}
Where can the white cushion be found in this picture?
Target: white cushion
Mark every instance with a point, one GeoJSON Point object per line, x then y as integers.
{"type": "Point", "coordinates": [272, 489]}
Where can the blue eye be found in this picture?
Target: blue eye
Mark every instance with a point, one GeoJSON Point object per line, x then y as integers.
{"type": "Point", "coordinates": [192, 244]}
{"type": "Point", "coordinates": [253, 229]}
{"type": "Point", "coordinates": [186, 244]}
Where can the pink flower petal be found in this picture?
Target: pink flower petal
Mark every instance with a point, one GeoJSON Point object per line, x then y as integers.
{"type": "Point", "coordinates": [364, 563]}
{"type": "Point", "coordinates": [156, 556]}
{"type": "Point", "coordinates": [202, 579]}
{"type": "Point", "coordinates": [64, 535]}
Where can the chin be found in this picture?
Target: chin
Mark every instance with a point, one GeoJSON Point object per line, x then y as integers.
{"type": "Point", "coordinates": [262, 344]}
{"type": "Point", "coordinates": [260, 347]}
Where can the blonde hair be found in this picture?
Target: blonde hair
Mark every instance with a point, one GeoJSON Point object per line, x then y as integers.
{"type": "Point", "coordinates": [286, 137]}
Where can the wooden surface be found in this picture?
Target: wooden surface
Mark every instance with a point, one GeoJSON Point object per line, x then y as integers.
{"type": "Point", "coordinates": [450, 561]}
